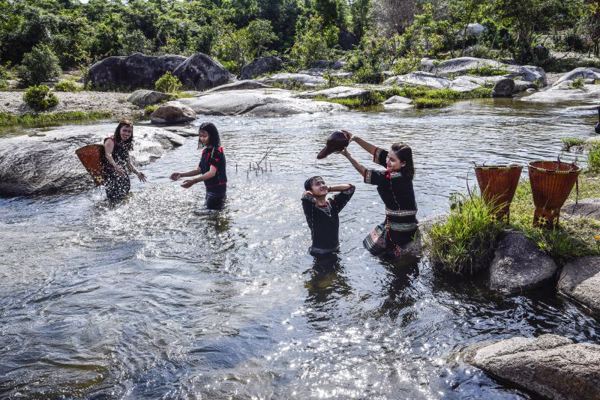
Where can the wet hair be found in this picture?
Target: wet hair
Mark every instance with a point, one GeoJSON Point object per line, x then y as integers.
{"type": "Point", "coordinates": [404, 153]}
{"type": "Point", "coordinates": [128, 144]}
{"type": "Point", "coordinates": [308, 183]}
{"type": "Point", "coordinates": [213, 134]}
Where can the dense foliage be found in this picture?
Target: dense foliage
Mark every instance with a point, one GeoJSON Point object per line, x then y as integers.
{"type": "Point", "coordinates": [40, 98]}
{"type": "Point", "coordinates": [373, 35]}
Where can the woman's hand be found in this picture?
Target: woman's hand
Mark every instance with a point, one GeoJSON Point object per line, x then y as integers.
{"type": "Point", "coordinates": [141, 176]}
{"type": "Point", "coordinates": [188, 184]}
{"type": "Point", "coordinates": [175, 176]}
{"type": "Point", "coordinates": [345, 152]}
{"type": "Point", "coordinates": [348, 134]}
{"type": "Point", "coordinates": [120, 170]}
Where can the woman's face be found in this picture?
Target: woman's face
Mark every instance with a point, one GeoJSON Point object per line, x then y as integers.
{"type": "Point", "coordinates": [393, 163]}
{"type": "Point", "coordinates": [204, 138]}
{"type": "Point", "coordinates": [126, 132]}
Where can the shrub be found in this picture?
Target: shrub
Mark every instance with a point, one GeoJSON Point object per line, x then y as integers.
{"type": "Point", "coordinates": [465, 242]}
{"type": "Point", "coordinates": [4, 76]}
{"type": "Point", "coordinates": [593, 158]}
{"type": "Point", "coordinates": [168, 83]}
{"type": "Point", "coordinates": [569, 142]}
{"type": "Point", "coordinates": [39, 98]}
{"type": "Point", "coordinates": [487, 70]}
{"type": "Point", "coordinates": [150, 109]}
{"type": "Point", "coordinates": [577, 83]}
{"type": "Point", "coordinates": [67, 86]}
{"type": "Point", "coordinates": [39, 65]}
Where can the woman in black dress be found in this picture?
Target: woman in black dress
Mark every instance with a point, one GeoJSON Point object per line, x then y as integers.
{"type": "Point", "coordinates": [392, 238]}
{"type": "Point", "coordinates": [116, 162]}
{"type": "Point", "coordinates": [212, 168]}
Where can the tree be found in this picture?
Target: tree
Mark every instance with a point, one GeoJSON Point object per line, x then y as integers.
{"type": "Point", "coordinates": [314, 41]}
{"type": "Point", "coordinates": [39, 65]}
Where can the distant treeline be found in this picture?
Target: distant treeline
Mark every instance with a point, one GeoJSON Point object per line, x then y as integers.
{"type": "Point", "coordinates": [372, 35]}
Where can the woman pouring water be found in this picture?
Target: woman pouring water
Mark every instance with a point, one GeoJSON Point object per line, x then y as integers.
{"type": "Point", "coordinates": [394, 237]}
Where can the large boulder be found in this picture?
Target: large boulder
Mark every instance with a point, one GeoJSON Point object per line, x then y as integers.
{"type": "Point", "coordinates": [294, 80]}
{"type": "Point", "coordinates": [261, 66]}
{"type": "Point", "coordinates": [564, 93]}
{"type": "Point", "coordinates": [130, 72]}
{"type": "Point", "coordinates": [338, 92]}
{"type": "Point", "coordinates": [550, 366]}
{"type": "Point", "coordinates": [519, 265]}
{"type": "Point", "coordinates": [239, 85]}
{"type": "Point", "coordinates": [200, 72]}
{"type": "Point", "coordinates": [46, 163]}
{"type": "Point", "coordinates": [260, 103]}
{"type": "Point", "coordinates": [528, 73]}
{"type": "Point", "coordinates": [171, 113]}
{"type": "Point", "coordinates": [579, 73]}
{"type": "Point", "coordinates": [580, 280]}
{"type": "Point", "coordinates": [419, 78]}
{"type": "Point", "coordinates": [504, 88]}
{"type": "Point", "coordinates": [462, 65]}
{"type": "Point", "coordinates": [145, 97]}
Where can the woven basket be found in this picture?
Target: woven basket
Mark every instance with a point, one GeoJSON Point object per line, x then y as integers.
{"type": "Point", "coordinates": [91, 158]}
{"type": "Point", "coordinates": [551, 184]}
{"type": "Point", "coordinates": [498, 184]}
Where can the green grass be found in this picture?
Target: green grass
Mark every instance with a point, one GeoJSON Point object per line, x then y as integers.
{"type": "Point", "coordinates": [150, 109]}
{"type": "Point", "coordinates": [50, 119]}
{"type": "Point", "coordinates": [487, 70]}
{"type": "Point", "coordinates": [577, 83]}
{"type": "Point", "coordinates": [464, 243]}
{"type": "Point", "coordinates": [593, 159]}
{"type": "Point", "coordinates": [423, 102]}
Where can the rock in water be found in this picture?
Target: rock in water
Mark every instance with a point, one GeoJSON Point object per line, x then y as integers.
{"type": "Point", "coordinates": [261, 66]}
{"type": "Point", "coordinates": [551, 366]}
{"type": "Point", "coordinates": [130, 72]}
{"type": "Point", "coordinates": [580, 280]}
{"type": "Point", "coordinates": [200, 72]}
{"type": "Point", "coordinates": [519, 265]}
{"type": "Point", "coordinates": [504, 88]}
{"type": "Point", "coordinates": [172, 112]}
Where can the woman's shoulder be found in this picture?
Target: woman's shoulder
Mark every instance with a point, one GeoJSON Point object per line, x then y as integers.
{"type": "Point", "coordinates": [111, 138]}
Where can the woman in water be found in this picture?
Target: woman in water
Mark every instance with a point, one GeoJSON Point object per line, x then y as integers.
{"type": "Point", "coordinates": [394, 236]}
{"type": "Point", "coordinates": [211, 169]}
{"type": "Point", "coordinates": [116, 162]}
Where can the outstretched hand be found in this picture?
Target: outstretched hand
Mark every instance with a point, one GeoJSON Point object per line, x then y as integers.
{"type": "Point", "coordinates": [188, 184]}
{"type": "Point", "coordinates": [141, 176]}
{"type": "Point", "coordinates": [175, 176]}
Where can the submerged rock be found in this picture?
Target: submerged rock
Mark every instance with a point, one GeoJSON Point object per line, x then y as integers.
{"type": "Point", "coordinates": [261, 103]}
{"type": "Point", "coordinates": [261, 66]}
{"type": "Point", "coordinates": [580, 280]}
{"type": "Point", "coordinates": [398, 103]}
{"type": "Point", "coordinates": [47, 164]}
{"type": "Point", "coordinates": [564, 93]}
{"type": "Point", "coordinates": [519, 265]}
{"type": "Point", "coordinates": [550, 366]}
{"type": "Point", "coordinates": [144, 97]}
{"type": "Point", "coordinates": [172, 112]}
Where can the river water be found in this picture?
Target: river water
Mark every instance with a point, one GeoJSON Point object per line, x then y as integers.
{"type": "Point", "coordinates": [158, 298]}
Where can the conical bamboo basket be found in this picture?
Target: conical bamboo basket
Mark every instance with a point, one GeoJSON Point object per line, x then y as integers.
{"type": "Point", "coordinates": [498, 184]}
{"type": "Point", "coordinates": [551, 184]}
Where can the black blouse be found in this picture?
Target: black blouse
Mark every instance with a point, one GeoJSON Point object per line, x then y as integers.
{"type": "Point", "coordinates": [214, 156]}
{"type": "Point", "coordinates": [324, 222]}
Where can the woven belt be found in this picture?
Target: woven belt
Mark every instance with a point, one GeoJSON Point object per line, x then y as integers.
{"type": "Point", "coordinates": [400, 213]}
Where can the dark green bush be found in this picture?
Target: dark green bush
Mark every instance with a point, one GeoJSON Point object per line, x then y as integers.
{"type": "Point", "coordinates": [38, 66]}
{"type": "Point", "coordinates": [168, 83]}
{"type": "Point", "coordinates": [39, 98]}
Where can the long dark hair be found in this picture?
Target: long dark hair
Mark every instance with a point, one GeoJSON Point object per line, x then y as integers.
{"type": "Point", "coordinates": [404, 153]}
{"type": "Point", "coordinates": [128, 144]}
{"type": "Point", "coordinates": [213, 134]}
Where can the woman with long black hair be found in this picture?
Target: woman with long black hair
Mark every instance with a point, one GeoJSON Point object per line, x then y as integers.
{"type": "Point", "coordinates": [116, 162]}
{"type": "Point", "coordinates": [211, 169]}
{"type": "Point", "coordinates": [395, 187]}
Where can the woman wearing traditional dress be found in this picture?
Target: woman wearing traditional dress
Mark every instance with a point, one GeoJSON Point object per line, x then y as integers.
{"type": "Point", "coordinates": [116, 162]}
{"type": "Point", "coordinates": [211, 168]}
{"type": "Point", "coordinates": [394, 237]}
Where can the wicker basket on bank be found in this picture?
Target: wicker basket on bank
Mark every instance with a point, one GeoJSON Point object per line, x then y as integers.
{"type": "Point", "coordinates": [498, 184]}
{"type": "Point", "coordinates": [551, 184]}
